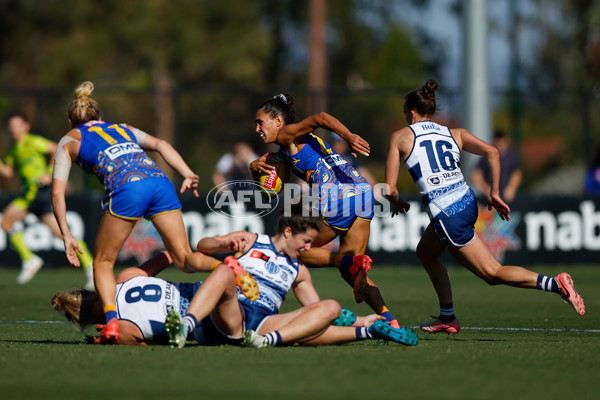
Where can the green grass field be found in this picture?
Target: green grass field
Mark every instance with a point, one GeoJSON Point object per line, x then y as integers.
{"type": "Point", "coordinates": [558, 357]}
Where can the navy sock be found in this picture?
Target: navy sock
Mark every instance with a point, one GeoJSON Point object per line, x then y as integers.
{"type": "Point", "coordinates": [273, 338]}
{"type": "Point", "coordinates": [190, 322]}
{"type": "Point", "coordinates": [362, 333]}
{"type": "Point", "coordinates": [547, 284]}
{"type": "Point", "coordinates": [447, 312]}
{"type": "Point", "coordinates": [346, 263]}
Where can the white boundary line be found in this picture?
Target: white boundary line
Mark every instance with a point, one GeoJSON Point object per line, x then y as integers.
{"type": "Point", "coordinates": [475, 328]}
{"type": "Point", "coordinates": [467, 328]}
{"type": "Point", "coordinates": [34, 322]}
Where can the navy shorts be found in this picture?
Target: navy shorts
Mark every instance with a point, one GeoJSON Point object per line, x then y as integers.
{"type": "Point", "coordinates": [207, 333]}
{"type": "Point", "coordinates": [458, 229]}
{"type": "Point", "coordinates": [145, 198]}
{"type": "Point", "coordinates": [254, 315]}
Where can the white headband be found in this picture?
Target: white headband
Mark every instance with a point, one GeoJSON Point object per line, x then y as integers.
{"type": "Point", "coordinates": [282, 97]}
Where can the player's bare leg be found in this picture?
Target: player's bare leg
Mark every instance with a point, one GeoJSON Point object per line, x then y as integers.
{"type": "Point", "coordinates": [303, 324]}
{"type": "Point", "coordinates": [217, 296]}
{"type": "Point", "coordinates": [112, 233]}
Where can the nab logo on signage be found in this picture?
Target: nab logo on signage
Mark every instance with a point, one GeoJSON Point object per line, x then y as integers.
{"type": "Point", "coordinates": [120, 149]}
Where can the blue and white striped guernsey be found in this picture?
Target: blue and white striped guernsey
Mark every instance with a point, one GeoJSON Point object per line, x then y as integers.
{"type": "Point", "coordinates": [434, 164]}
{"type": "Point", "coordinates": [273, 271]}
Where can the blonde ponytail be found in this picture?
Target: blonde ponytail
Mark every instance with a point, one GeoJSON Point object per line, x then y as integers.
{"type": "Point", "coordinates": [84, 108]}
{"type": "Point", "coordinates": [80, 307]}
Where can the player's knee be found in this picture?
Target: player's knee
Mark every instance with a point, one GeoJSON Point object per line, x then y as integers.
{"type": "Point", "coordinates": [424, 254]}
{"type": "Point", "coordinates": [225, 276]}
{"type": "Point", "coordinates": [102, 265]}
{"type": "Point", "coordinates": [6, 225]}
{"type": "Point", "coordinates": [331, 309]}
{"type": "Point", "coordinates": [491, 278]}
{"type": "Point", "coordinates": [180, 259]}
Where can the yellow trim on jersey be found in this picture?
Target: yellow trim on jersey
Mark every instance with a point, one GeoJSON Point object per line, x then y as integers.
{"type": "Point", "coordinates": [324, 149]}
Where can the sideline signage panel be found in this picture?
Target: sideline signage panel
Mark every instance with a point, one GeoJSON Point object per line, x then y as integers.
{"type": "Point", "coordinates": [542, 230]}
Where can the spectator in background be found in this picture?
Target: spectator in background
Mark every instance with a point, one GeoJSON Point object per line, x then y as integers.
{"type": "Point", "coordinates": [510, 173]}
{"type": "Point", "coordinates": [591, 185]}
{"type": "Point", "coordinates": [341, 147]}
{"type": "Point", "coordinates": [233, 166]}
{"type": "Point", "coordinates": [30, 157]}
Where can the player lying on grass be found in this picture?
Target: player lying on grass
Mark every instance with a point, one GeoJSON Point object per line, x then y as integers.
{"type": "Point", "coordinates": [143, 302]}
{"type": "Point", "coordinates": [273, 262]}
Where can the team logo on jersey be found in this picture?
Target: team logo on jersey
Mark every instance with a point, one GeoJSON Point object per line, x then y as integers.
{"type": "Point", "coordinates": [258, 254]}
{"type": "Point", "coordinates": [272, 267]}
{"type": "Point", "coordinates": [434, 180]}
{"type": "Point", "coordinates": [169, 306]}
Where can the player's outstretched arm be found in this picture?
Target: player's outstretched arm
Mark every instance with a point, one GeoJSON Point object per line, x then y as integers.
{"type": "Point", "coordinates": [296, 133]}
{"type": "Point", "coordinates": [175, 161]}
{"type": "Point", "coordinates": [232, 242]}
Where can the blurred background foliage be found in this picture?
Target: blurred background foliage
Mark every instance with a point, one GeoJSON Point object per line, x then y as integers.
{"type": "Point", "coordinates": [195, 71]}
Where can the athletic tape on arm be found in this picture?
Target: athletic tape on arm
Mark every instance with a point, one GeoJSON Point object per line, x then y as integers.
{"type": "Point", "coordinates": [140, 136]}
{"type": "Point", "coordinates": [62, 162]}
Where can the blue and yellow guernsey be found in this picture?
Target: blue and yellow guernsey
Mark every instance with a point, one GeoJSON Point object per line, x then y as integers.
{"type": "Point", "coordinates": [317, 163]}
{"type": "Point", "coordinates": [111, 152]}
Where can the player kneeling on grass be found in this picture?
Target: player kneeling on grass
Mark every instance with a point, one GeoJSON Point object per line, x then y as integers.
{"type": "Point", "coordinates": [225, 315]}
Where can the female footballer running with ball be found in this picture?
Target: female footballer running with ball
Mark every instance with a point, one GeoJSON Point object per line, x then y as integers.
{"type": "Point", "coordinates": [345, 198]}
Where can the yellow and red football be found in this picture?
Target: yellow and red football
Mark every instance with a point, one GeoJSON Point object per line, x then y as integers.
{"type": "Point", "coordinates": [272, 183]}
